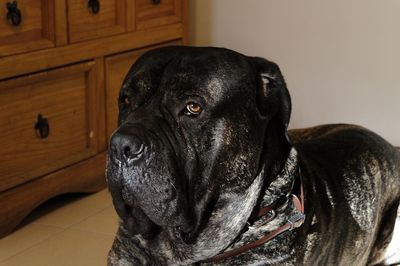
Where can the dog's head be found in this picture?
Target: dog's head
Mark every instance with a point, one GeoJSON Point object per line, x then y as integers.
{"type": "Point", "coordinates": [195, 125]}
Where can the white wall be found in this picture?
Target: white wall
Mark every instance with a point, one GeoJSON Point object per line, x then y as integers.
{"type": "Point", "coordinates": [341, 59]}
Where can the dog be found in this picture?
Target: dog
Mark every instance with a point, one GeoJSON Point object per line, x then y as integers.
{"type": "Point", "coordinates": [203, 170]}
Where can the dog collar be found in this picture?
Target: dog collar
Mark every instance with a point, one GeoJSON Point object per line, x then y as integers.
{"type": "Point", "coordinates": [294, 221]}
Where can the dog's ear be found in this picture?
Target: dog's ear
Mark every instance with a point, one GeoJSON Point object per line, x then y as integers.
{"type": "Point", "coordinates": [274, 105]}
{"type": "Point", "coordinates": [273, 99]}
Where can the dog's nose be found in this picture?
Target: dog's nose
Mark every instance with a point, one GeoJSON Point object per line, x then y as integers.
{"type": "Point", "coordinates": [126, 145]}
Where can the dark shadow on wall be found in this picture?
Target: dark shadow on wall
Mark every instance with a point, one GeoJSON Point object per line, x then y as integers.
{"type": "Point", "coordinates": [201, 19]}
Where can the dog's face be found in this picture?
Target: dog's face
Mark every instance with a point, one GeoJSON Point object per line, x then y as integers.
{"type": "Point", "coordinates": [195, 124]}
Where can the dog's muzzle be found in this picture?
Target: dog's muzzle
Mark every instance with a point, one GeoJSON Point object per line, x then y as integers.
{"type": "Point", "coordinates": [144, 183]}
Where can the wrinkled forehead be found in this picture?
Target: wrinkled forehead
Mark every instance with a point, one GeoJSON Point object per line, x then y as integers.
{"type": "Point", "coordinates": [213, 75]}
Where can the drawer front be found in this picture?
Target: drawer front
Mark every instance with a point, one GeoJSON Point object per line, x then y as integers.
{"type": "Point", "coordinates": [90, 19]}
{"type": "Point", "coordinates": [45, 123]}
{"type": "Point", "coordinates": [26, 25]}
{"type": "Point", "coordinates": [117, 67]}
{"type": "Point", "coordinates": [154, 13]}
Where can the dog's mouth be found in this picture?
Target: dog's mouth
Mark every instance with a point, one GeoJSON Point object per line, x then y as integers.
{"type": "Point", "coordinates": [137, 222]}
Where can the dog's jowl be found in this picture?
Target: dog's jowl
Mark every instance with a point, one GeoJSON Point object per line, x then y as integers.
{"type": "Point", "coordinates": [203, 170]}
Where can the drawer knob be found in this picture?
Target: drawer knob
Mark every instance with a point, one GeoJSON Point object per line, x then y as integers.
{"type": "Point", "coordinates": [94, 5]}
{"type": "Point", "coordinates": [42, 127]}
{"type": "Point", "coordinates": [13, 14]}
{"type": "Point", "coordinates": [156, 2]}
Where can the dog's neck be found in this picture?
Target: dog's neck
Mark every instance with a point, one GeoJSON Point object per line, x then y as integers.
{"type": "Point", "coordinates": [227, 221]}
{"type": "Point", "coordinates": [281, 186]}
{"type": "Point", "coordinates": [228, 226]}
{"type": "Point", "coordinates": [283, 182]}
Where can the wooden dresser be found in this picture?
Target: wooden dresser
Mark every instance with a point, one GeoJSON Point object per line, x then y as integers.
{"type": "Point", "coordinates": [62, 63]}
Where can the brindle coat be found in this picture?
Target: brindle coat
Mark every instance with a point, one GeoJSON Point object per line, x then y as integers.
{"type": "Point", "coordinates": [185, 183]}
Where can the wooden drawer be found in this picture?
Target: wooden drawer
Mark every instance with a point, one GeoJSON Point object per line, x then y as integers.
{"type": "Point", "coordinates": [65, 98]}
{"type": "Point", "coordinates": [117, 67]}
{"type": "Point", "coordinates": [84, 23]}
{"type": "Point", "coordinates": [34, 30]}
{"type": "Point", "coordinates": [154, 13]}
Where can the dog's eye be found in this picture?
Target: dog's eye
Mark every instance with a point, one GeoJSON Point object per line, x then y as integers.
{"type": "Point", "coordinates": [193, 109]}
{"type": "Point", "coordinates": [126, 101]}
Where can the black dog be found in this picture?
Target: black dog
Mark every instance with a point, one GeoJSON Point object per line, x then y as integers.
{"type": "Point", "coordinates": [202, 170]}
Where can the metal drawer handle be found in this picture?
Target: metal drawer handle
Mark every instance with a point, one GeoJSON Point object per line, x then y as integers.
{"type": "Point", "coordinates": [94, 5]}
{"type": "Point", "coordinates": [156, 2]}
{"type": "Point", "coordinates": [13, 14]}
{"type": "Point", "coordinates": [42, 127]}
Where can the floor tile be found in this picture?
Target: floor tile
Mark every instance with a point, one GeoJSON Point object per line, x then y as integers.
{"type": "Point", "coordinates": [68, 213]}
{"type": "Point", "coordinates": [101, 199]}
{"type": "Point", "coordinates": [24, 238]}
{"type": "Point", "coordinates": [105, 222]}
{"type": "Point", "coordinates": [70, 247]}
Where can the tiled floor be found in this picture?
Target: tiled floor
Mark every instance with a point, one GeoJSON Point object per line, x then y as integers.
{"type": "Point", "coordinates": [69, 230]}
